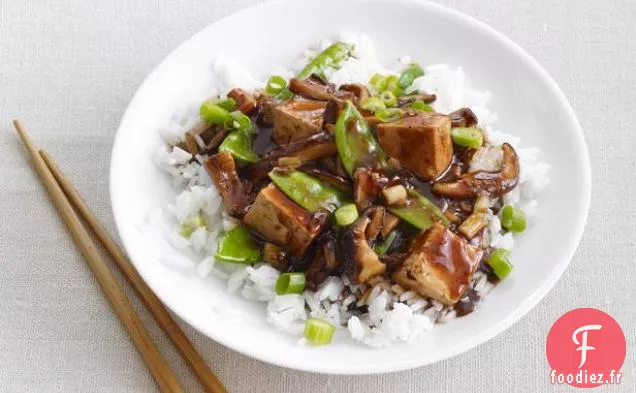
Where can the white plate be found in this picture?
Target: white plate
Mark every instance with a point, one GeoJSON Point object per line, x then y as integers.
{"type": "Point", "coordinates": [527, 100]}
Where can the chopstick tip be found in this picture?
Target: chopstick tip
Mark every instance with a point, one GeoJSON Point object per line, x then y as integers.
{"type": "Point", "coordinates": [24, 137]}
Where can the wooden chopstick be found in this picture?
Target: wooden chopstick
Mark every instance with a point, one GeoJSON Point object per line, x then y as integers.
{"type": "Point", "coordinates": [163, 375]}
{"type": "Point", "coordinates": [208, 380]}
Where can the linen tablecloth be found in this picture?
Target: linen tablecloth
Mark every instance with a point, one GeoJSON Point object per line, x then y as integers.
{"type": "Point", "coordinates": [69, 68]}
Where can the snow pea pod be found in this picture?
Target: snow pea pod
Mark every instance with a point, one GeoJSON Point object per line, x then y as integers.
{"type": "Point", "coordinates": [328, 58]}
{"type": "Point", "coordinates": [384, 246]}
{"type": "Point", "coordinates": [239, 144]}
{"type": "Point", "coordinates": [354, 139]}
{"type": "Point", "coordinates": [307, 191]}
{"type": "Point", "coordinates": [419, 211]}
{"type": "Point", "coordinates": [237, 246]}
{"type": "Point", "coordinates": [412, 72]}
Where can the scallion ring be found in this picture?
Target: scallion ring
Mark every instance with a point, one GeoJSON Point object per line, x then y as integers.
{"type": "Point", "coordinates": [290, 283]}
{"type": "Point", "coordinates": [275, 85]}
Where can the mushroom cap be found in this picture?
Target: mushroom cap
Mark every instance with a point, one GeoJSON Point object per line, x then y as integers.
{"type": "Point", "coordinates": [493, 184]}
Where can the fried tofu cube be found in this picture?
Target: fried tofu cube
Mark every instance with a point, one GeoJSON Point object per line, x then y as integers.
{"type": "Point", "coordinates": [297, 119]}
{"type": "Point", "coordinates": [420, 141]}
{"type": "Point", "coordinates": [440, 265]}
{"type": "Point", "coordinates": [282, 221]}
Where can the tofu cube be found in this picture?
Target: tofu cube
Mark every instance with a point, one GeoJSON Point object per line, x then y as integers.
{"type": "Point", "coordinates": [420, 141]}
{"type": "Point", "coordinates": [440, 265]}
{"type": "Point", "coordinates": [297, 119]}
{"type": "Point", "coordinates": [282, 221]}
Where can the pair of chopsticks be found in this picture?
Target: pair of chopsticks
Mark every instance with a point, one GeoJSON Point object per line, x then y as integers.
{"type": "Point", "coordinates": [67, 201]}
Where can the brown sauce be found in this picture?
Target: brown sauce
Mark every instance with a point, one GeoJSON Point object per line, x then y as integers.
{"type": "Point", "coordinates": [468, 303]}
{"type": "Point", "coordinates": [263, 143]}
{"type": "Point", "coordinates": [449, 254]}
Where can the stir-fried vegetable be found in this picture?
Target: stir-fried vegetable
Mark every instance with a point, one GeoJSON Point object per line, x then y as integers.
{"type": "Point", "coordinates": [344, 163]}
{"type": "Point", "coordinates": [389, 83]}
{"type": "Point", "coordinates": [329, 58]}
{"type": "Point", "coordinates": [395, 195]}
{"type": "Point", "coordinates": [467, 137]}
{"type": "Point", "coordinates": [412, 72]}
{"type": "Point", "coordinates": [513, 219]}
{"type": "Point", "coordinates": [500, 263]}
{"type": "Point", "coordinates": [307, 191]}
{"type": "Point", "coordinates": [238, 121]}
{"type": "Point", "coordinates": [373, 104]}
{"type": "Point", "coordinates": [378, 82]}
{"type": "Point", "coordinates": [419, 212]}
{"type": "Point", "coordinates": [237, 246]}
{"type": "Point", "coordinates": [354, 139]}
{"type": "Point", "coordinates": [239, 144]}
{"type": "Point", "coordinates": [420, 105]}
{"type": "Point", "coordinates": [346, 214]}
{"type": "Point", "coordinates": [290, 283]}
{"type": "Point", "coordinates": [275, 85]}
{"type": "Point", "coordinates": [228, 104]}
{"type": "Point", "coordinates": [393, 85]}
{"type": "Point", "coordinates": [213, 113]}
{"type": "Point", "coordinates": [382, 247]}
{"type": "Point", "coordinates": [319, 331]}
{"type": "Point", "coordinates": [388, 98]}
{"type": "Point", "coordinates": [389, 114]}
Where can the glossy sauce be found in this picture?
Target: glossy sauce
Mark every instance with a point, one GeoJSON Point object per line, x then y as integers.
{"type": "Point", "coordinates": [263, 143]}
{"type": "Point", "coordinates": [454, 259]}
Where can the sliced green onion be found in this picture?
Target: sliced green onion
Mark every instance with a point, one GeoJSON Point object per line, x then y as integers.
{"type": "Point", "coordinates": [513, 219]}
{"type": "Point", "coordinates": [373, 104]}
{"type": "Point", "coordinates": [227, 104]}
{"type": "Point", "coordinates": [290, 283]}
{"type": "Point", "coordinates": [275, 85]}
{"type": "Point", "coordinates": [285, 95]}
{"type": "Point", "coordinates": [238, 121]}
{"type": "Point", "coordinates": [346, 214]}
{"type": "Point", "coordinates": [412, 72]}
{"type": "Point", "coordinates": [390, 114]}
{"type": "Point", "coordinates": [420, 105]}
{"type": "Point", "coordinates": [378, 82]}
{"type": "Point", "coordinates": [500, 263]}
{"type": "Point", "coordinates": [392, 84]}
{"type": "Point", "coordinates": [213, 113]}
{"type": "Point", "coordinates": [383, 247]}
{"type": "Point", "coordinates": [191, 224]}
{"type": "Point", "coordinates": [375, 79]}
{"type": "Point", "coordinates": [388, 98]}
{"type": "Point", "coordinates": [318, 331]}
{"type": "Point", "coordinates": [467, 137]}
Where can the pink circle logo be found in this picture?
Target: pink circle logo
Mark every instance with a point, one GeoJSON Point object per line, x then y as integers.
{"type": "Point", "coordinates": [585, 349]}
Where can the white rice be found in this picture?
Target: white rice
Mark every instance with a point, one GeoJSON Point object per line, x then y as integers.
{"type": "Point", "coordinates": [393, 314]}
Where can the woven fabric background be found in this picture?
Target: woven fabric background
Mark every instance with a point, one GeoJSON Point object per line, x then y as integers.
{"type": "Point", "coordinates": [68, 68]}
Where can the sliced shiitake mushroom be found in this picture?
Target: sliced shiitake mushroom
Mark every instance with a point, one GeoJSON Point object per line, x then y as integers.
{"type": "Point", "coordinates": [312, 88]}
{"type": "Point", "coordinates": [408, 100]}
{"type": "Point", "coordinates": [311, 148]}
{"type": "Point", "coordinates": [245, 102]}
{"type": "Point", "coordinates": [493, 184]}
{"type": "Point", "coordinates": [463, 117]}
{"type": "Point", "coordinates": [360, 262]}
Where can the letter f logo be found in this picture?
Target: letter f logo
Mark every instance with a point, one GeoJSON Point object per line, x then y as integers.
{"type": "Point", "coordinates": [583, 344]}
